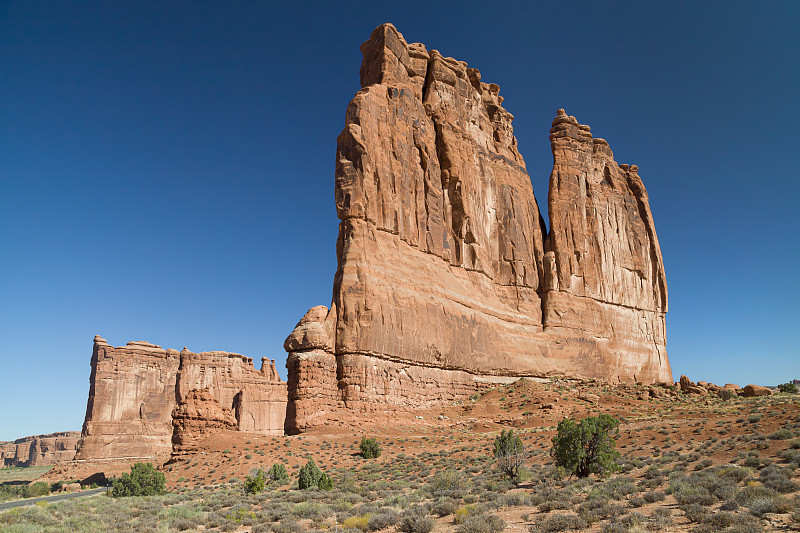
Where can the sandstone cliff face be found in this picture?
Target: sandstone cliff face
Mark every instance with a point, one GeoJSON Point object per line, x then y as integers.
{"type": "Point", "coordinates": [446, 274]}
{"type": "Point", "coordinates": [40, 450]}
{"type": "Point", "coordinates": [135, 389]}
{"type": "Point", "coordinates": [197, 415]}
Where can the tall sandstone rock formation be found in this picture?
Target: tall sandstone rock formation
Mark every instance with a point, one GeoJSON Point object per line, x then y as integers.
{"type": "Point", "coordinates": [447, 277]}
{"type": "Point", "coordinates": [137, 393]}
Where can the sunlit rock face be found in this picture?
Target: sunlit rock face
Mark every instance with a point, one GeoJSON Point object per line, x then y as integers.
{"type": "Point", "coordinates": [447, 277]}
{"type": "Point", "coordinates": [40, 450]}
{"type": "Point", "coordinates": [136, 390]}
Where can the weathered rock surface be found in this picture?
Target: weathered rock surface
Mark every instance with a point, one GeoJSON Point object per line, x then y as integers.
{"type": "Point", "coordinates": [756, 390]}
{"type": "Point", "coordinates": [40, 450]}
{"type": "Point", "coordinates": [134, 390]}
{"type": "Point", "coordinates": [447, 275]}
{"type": "Point", "coordinates": [198, 414]}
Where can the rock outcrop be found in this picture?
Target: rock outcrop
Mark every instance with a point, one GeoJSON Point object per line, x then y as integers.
{"type": "Point", "coordinates": [40, 450]}
{"type": "Point", "coordinates": [751, 391]}
{"type": "Point", "coordinates": [199, 414]}
{"type": "Point", "coordinates": [135, 389]}
{"type": "Point", "coordinates": [447, 277]}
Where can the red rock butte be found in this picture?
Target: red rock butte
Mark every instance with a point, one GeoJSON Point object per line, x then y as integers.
{"type": "Point", "coordinates": [447, 278]}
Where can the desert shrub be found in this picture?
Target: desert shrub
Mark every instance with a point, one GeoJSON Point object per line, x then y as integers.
{"type": "Point", "coordinates": [255, 482]}
{"type": "Point", "coordinates": [792, 457]}
{"type": "Point", "coordinates": [559, 522]}
{"type": "Point", "coordinates": [789, 388]}
{"type": "Point", "coordinates": [695, 513]}
{"type": "Point", "coordinates": [144, 480]}
{"type": "Point", "coordinates": [778, 479]}
{"type": "Point", "coordinates": [462, 513]}
{"type": "Point", "coordinates": [288, 526]}
{"type": "Point", "coordinates": [781, 434]}
{"type": "Point", "coordinates": [509, 453]}
{"type": "Point", "coordinates": [356, 522]}
{"type": "Point", "coordinates": [35, 490]}
{"type": "Point", "coordinates": [370, 448]}
{"type": "Point", "coordinates": [587, 447]}
{"type": "Point", "coordinates": [726, 394]}
{"type": "Point", "coordinates": [517, 499]}
{"type": "Point", "coordinates": [444, 507]}
{"type": "Point", "coordinates": [383, 519]}
{"type": "Point", "coordinates": [277, 474]}
{"type": "Point", "coordinates": [636, 501]}
{"type": "Point", "coordinates": [632, 522]}
{"type": "Point", "coordinates": [652, 497]}
{"type": "Point", "coordinates": [597, 509]}
{"type": "Point", "coordinates": [448, 482]}
{"type": "Point", "coordinates": [415, 521]}
{"type": "Point", "coordinates": [482, 523]}
{"type": "Point", "coordinates": [660, 519]}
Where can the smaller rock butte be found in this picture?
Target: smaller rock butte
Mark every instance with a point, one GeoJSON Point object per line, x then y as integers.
{"type": "Point", "coordinates": [137, 389]}
{"type": "Point", "coordinates": [40, 450]}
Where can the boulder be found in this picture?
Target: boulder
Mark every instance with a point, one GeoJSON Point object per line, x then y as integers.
{"type": "Point", "coordinates": [756, 390]}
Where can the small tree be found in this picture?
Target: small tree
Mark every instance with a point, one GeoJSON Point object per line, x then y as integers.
{"type": "Point", "coordinates": [255, 482]}
{"type": "Point", "coordinates": [509, 452]}
{"type": "Point", "coordinates": [310, 474]}
{"type": "Point", "coordinates": [370, 448]}
{"type": "Point", "coordinates": [278, 475]}
{"type": "Point", "coordinates": [144, 480]}
{"type": "Point", "coordinates": [325, 482]}
{"type": "Point", "coordinates": [587, 447]}
{"type": "Point", "coordinates": [790, 388]}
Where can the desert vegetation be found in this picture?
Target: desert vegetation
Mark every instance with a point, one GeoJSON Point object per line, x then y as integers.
{"type": "Point", "coordinates": [683, 464]}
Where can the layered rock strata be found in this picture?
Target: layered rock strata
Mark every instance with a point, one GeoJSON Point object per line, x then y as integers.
{"type": "Point", "coordinates": [447, 276]}
{"type": "Point", "coordinates": [40, 450]}
{"type": "Point", "coordinates": [135, 389]}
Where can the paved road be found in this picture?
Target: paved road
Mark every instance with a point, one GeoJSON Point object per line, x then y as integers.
{"type": "Point", "coordinates": [54, 498]}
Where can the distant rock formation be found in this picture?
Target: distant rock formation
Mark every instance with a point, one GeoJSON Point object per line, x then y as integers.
{"type": "Point", "coordinates": [40, 450]}
{"type": "Point", "coordinates": [447, 275]}
{"type": "Point", "coordinates": [136, 390]}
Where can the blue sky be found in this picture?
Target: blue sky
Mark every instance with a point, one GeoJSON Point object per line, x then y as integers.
{"type": "Point", "coordinates": [166, 168]}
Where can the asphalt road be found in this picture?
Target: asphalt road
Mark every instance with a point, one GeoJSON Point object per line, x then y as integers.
{"type": "Point", "coordinates": [53, 498]}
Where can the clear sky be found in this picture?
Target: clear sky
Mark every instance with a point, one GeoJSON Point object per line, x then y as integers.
{"type": "Point", "coordinates": [166, 168]}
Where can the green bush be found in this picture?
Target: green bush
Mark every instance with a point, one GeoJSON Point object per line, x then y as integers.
{"type": "Point", "coordinates": [790, 388]}
{"type": "Point", "coordinates": [509, 452]}
{"type": "Point", "coordinates": [255, 482]}
{"type": "Point", "coordinates": [311, 477]}
{"type": "Point", "coordinates": [370, 448]}
{"type": "Point", "coordinates": [277, 474]}
{"type": "Point", "coordinates": [144, 480]}
{"type": "Point", "coordinates": [325, 482]}
{"type": "Point", "coordinates": [726, 394]}
{"type": "Point", "coordinates": [35, 490]}
{"type": "Point", "coordinates": [587, 447]}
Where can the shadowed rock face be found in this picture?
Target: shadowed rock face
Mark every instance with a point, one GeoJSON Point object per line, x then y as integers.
{"type": "Point", "coordinates": [446, 274]}
{"type": "Point", "coordinates": [138, 390]}
{"type": "Point", "coordinates": [40, 450]}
